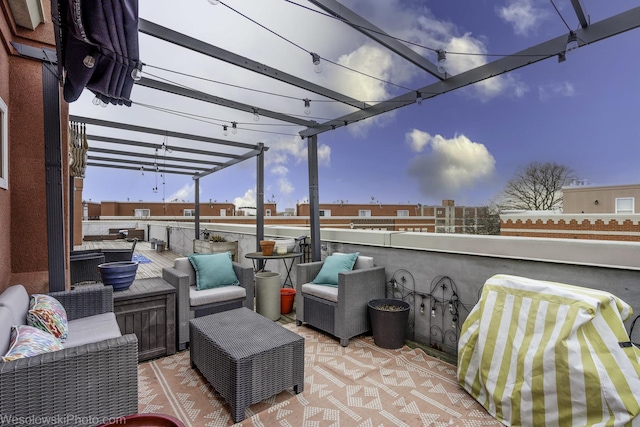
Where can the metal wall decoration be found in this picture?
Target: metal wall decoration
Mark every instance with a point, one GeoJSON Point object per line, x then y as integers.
{"type": "Point", "coordinates": [441, 308]}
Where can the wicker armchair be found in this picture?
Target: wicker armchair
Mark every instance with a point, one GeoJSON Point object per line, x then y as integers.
{"type": "Point", "coordinates": [341, 311]}
{"type": "Point", "coordinates": [89, 383]}
{"type": "Point", "coordinates": [83, 266]}
{"type": "Point", "coordinates": [189, 306]}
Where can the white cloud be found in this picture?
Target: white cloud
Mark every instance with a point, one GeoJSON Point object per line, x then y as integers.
{"type": "Point", "coordinates": [247, 200]}
{"type": "Point", "coordinates": [523, 15]}
{"type": "Point", "coordinates": [556, 90]}
{"type": "Point", "coordinates": [451, 165]}
{"type": "Point", "coordinates": [186, 193]}
{"type": "Point", "coordinates": [280, 170]}
{"type": "Point", "coordinates": [285, 186]}
{"type": "Point", "coordinates": [284, 151]}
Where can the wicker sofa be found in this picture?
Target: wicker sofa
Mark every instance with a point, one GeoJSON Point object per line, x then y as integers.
{"type": "Point", "coordinates": [191, 303]}
{"type": "Point", "coordinates": [94, 377]}
{"type": "Point", "coordinates": [340, 311]}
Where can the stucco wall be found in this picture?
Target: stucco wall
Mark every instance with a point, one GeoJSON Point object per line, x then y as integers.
{"type": "Point", "coordinates": [23, 215]}
{"type": "Point", "coordinates": [5, 197]}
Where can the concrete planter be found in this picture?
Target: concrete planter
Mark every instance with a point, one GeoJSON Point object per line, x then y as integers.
{"type": "Point", "coordinates": [208, 247]}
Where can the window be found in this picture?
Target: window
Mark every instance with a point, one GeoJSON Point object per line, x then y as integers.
{"type": "Point", "coordinates": [223, 212]}
{"type": "Point", "coordinates": [324, 212]}
{"type": "Point", "coordinates": [625, 205]}
{"type": "Point", "coordinates": [364, 212]}
{"type": "Point", "coordinates": [141, 213]}
{"type": "Point", "coordinates": [403, 212]}
{"type": "Point", "coordinates": [267, 212]}
{"type": "Point", "coordinates": [189, 212]}
{"type": "Point", "coordinates": [4, 146]}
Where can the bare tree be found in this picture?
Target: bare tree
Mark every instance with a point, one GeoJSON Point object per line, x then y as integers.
{"type": "Point", "coordinates": [482, 220]}
{"type": "Point", "coordinates": [538, 186]}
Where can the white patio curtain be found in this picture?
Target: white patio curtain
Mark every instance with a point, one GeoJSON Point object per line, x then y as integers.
{"type": "Point", "coordinates": [78, 147]}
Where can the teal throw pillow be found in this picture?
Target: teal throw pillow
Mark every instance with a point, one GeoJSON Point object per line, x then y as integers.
{"type": "Point", "coordinates": [213, 270]}
{"type": "Point", "coordinates": [334, 264]}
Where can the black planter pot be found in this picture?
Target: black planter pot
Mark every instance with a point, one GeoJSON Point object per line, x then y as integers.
{"type": "Point", "coordinates": [120, 274]}
{"type": "Point", "coordinates": [388, 326]}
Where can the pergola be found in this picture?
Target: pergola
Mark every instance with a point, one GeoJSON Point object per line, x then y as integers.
{"type": "Point", "coordinates": [588, 33]}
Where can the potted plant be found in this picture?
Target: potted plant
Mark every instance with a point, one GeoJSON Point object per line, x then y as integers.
{"type": "Point", "coordinates": [388, 321]}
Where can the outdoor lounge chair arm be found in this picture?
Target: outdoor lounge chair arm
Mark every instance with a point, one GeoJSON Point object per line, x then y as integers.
{"type": "Point", "coordinates": [355, 289]}
{"type": "Point", "coordinates": [86, 300]}
{"type": "Point", "coordinates": [245, 277]}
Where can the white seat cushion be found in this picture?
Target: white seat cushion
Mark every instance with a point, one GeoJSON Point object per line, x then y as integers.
{"type": "Point", "coordinates": [330, 293]}
{"type": "Point", "coordinates": [208, 296]}
{"type": "Point", "coordinates": [92, 329]}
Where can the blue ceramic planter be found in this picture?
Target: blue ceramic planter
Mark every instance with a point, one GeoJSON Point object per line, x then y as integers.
{"type": "Point", "coordinates": [118, 274]}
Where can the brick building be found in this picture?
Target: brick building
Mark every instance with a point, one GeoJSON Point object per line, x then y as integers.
{"type": "Point", "coordinates": [589, 212]}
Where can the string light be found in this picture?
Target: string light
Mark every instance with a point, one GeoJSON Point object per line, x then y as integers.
{"type": "Point", "coordinates": [225, 130]}
{"type": "Point", "coordinates": [136, 74]}
{"type": "Point", "coordinates": [307, 106]}
{"type": "Point", "coordinates": [419, 98]}
{"type": "Point", "coordinates": [214, 2]}
{"type": "Point", "coordinates": [422, 308]}
{"type": "Point", "coordinates": [572, 43]}
{"type": "Point", "coordinates": [234, 127]}
{"type": "Point", "coordinates": [317, 66]}
{"type": "Point", "coordinates": [433, 311]}
{"type": "Point", "coordinates": [256, 116]}
{"type": "Point", "coordinates": [442, 59]}
{"type": "Point", "coordinates": [97, 101]}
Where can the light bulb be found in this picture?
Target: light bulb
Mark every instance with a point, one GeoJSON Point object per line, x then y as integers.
{"type": "Point", "coordinates": [256, 116]}
{"type": "Point", "coordinates": [572, 43]}
{"type": "Point", "coordinates": [95, 101]}
{"type": "Point", "coordinates": [433, 312]}
{"type": "Point", "coordinates": [136, 74]}
{"type": "Point", "coordinates": [103, 104]}
{"type": "Point", "coordinates": [225, 130]}
{"type": "Point", "coordinates": [422, 308]}
{"type": "Point", "coordinates": [307, 106]}
{"type": "Point", "coordinates": [453, 323]}
{"type": "Point", "coordinates": [214, 2]}
{"type": "Point", "coordinates": [419, 98]}
{"type": "Point", "coordinates": [89, 61]}
{"type": "Point", "coordinates": [442, 59]}
{"type": "Point", "coordinates": [451, 307]}
{"type": "Point", "coordinates": [317, 66]}
{"type": "Point", "coordinates": [234, 128]}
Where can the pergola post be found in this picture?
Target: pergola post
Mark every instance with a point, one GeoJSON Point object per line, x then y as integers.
{"type": "Point", "coordinates": [314, 213]}
{"type": "Point", "coordinates": [259, 203]}
{"type": "Point", "coordinates": [197, 202]}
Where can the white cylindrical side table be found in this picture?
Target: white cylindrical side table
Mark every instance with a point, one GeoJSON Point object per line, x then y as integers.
{"type": "Point", "coordinates": [268, 294]}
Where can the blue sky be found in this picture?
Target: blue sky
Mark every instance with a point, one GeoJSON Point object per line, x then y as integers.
{"type": "Point", "coordinates": [463, 145]}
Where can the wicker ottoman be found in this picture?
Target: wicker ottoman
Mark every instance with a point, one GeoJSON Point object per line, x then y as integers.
{"type": "Point", "coordinates": [246, 357]}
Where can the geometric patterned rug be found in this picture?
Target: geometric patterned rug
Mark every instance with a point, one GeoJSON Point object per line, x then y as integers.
{"type": "Point", "coordinates": [359, 385]}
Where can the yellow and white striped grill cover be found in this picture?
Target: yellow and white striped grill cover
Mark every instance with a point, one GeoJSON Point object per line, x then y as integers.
{"type": "Point", "coordinates": [537, 353]}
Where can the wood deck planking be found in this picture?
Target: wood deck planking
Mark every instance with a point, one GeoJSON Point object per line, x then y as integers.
{"type": "Point", "coordinates": [159, 260]}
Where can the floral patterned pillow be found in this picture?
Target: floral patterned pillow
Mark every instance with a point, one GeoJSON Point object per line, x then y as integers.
{"type": "Point", "coordinates": [46, 313]}
{"type": "Point", "coordinates": [27, 341]}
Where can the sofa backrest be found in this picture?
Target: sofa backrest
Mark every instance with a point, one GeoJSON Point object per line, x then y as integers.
{"type": "Point", "coordinates": [6, 320]}
{"type": "Point", "coordinates": [16, 299]}
{"type": "Point", "coordinates": [184, 265]}
{"type": "Point", "coordinates": [361, 262]}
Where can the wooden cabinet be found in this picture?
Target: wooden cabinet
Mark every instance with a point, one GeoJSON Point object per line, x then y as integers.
{"type": "Point", "coordinates": [148, 309]}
